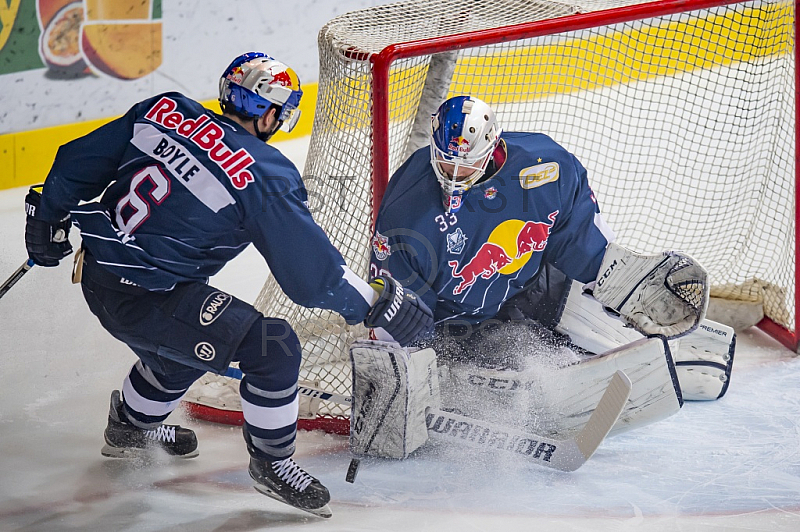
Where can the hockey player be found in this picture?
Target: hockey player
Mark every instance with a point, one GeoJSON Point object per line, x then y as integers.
{"type": "Point", "coordinates": [498, 232]}
{"type": "Point", "coordinates": [182, 192]}
{"type": "Point", "coordinates": [486, 225]}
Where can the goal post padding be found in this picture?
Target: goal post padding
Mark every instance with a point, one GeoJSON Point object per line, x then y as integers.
{"type": "Point", "coordinates": [682, 111]}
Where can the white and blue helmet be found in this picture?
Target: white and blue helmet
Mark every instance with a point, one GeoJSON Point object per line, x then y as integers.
{"type": "Point", "coordinates": [254, 81]}
{"type": "Point", "coordinates": [464, 135]}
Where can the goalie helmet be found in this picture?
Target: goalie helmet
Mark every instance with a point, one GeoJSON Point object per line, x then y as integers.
{"type": "Point", "coordinates": [254, 81]}
{"type": "Point", "coordinates": [464, 135]}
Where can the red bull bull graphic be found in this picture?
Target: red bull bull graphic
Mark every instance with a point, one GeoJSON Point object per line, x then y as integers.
{"type": "Point", "coordinates": [533, 236]}
{"type": "Point", "coordinates": [284, 77]}
{"type": "Point", "coordinates": [489, 259]}
{"type": "Point", "coordinates": [508, 248]}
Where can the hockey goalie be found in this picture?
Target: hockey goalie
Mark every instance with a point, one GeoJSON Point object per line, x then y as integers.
{"type": "Point", "coordinates": [536, 307]}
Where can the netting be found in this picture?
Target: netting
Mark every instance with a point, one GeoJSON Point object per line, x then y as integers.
{"type": "Point", "coordinates": [684, 121]}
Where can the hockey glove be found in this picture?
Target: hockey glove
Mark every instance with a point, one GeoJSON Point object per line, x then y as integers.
{"type": "Point", "coordinates": [46, 243]}
{"type": "Point", "coordinates": [665, 294]}
{"type": "Point", "coordinates": [398, 311]}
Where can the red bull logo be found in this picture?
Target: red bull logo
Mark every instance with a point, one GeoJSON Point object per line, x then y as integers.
{"type": "Point", "coordinates": [533, 236]}
{"type": "Point", "coordinates": [508, 249]}
{"type": "Point", "coordinates": [489, 259]}
{"type": "Point", "coordinates": [458, 144]}
{"type": "Point", "coordinates": [236, 75]}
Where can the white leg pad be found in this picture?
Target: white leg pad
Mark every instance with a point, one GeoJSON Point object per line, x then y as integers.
{"type": "Point", "coordinates": [655, 395]}
{"type": "Point", "coordinates": [589, 326]}
{"type": "Point", "coordinates": [704, 361]}
{"type": "Point", "coordinates": [392, 389]}
{"type": "Point", "coordinates": [559, 401]}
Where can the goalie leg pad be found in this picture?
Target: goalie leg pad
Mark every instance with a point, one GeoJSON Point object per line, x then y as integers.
{"type": "Point", "coordinates": [560, 401]}
{"type": "Point", "coordinates": [392, 388]}
{"type": "Point", "coordinates": [589, 326]}
{"type": "Point", "coordinates": [703, 358]}
{"type": "Point", "coordinates": [704, 361]}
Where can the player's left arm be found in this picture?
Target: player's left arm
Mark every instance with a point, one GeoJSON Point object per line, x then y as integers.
{"type": "Point", "coordinates": [580, 235]}
{"type": "Point", "coordinates": [85, 167]}
{"type": "Point", "coordinates": [82, 170]}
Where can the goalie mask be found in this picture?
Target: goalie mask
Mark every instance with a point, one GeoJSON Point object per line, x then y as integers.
{"type": "Point", "coordinates": [253, 82]}
{"type": "Point", "coordinates": [464, 135]}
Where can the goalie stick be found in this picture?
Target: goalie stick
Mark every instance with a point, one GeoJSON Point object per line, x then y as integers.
{"type": "Point", "coordinates": [16, 276]}
{"type": "Point", "coordinates": [565, 455]}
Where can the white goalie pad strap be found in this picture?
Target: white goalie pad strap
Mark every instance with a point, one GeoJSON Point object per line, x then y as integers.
{"type": "Point", "coordinates": [704, 361]}
{"type": "Point", "coordinates": [664, 294]}
{"type": "Point", "coordinates": [560, 401]}
{"type": "Point", "coordinates": [392, 388]}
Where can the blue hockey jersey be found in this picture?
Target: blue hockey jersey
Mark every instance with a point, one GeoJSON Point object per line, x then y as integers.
{"type": "Point", "coordinates": [537, 207]}
{"type": "Point", "coordinates": [182, 191]}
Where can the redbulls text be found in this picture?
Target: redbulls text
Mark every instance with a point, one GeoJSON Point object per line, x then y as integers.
{"type": "Point", "coordinates": [207, 135]}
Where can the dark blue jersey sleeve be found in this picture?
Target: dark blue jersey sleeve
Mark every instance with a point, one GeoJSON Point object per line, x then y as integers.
{"type": "Point", "coordinates": [308, 268]}
{"type": "Point", "coordinates": [84, 167]}
{"type": "Point", "coordinates": [404, 256]}
{"type": "Point", "coordinates": [580, 236]}
{"type": "Point", "coordinates": [399, 248]}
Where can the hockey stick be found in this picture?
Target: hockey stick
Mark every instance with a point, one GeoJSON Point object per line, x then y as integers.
{"type": "Point", "coordinates": [314, 393]}
{"type": "Point", "coordinates": [565, 455]}
{"type": "Point", "coordinates": [16, 276]}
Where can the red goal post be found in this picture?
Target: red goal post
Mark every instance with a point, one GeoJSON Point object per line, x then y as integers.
{"type": "Point", "coordinates": [683, 112]}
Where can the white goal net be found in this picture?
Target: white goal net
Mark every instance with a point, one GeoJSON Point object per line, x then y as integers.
{"type": "Point", "coordinates": [683, 112]}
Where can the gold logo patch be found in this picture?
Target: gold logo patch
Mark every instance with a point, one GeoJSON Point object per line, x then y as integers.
{"type": "Point", "coordinates": [536, 176]}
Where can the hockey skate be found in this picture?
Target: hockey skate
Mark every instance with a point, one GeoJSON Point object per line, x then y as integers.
{"type": "Point", "coordinates": [124, 440]}
{"type": "Point", "coordinates": [285, 481]}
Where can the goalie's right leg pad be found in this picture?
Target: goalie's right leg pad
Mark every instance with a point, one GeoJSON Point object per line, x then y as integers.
{"type": "Point", "coordinates": [392, 389]}
{"type": "Point", "coordinates": [704, 361]}
{"type": "Point", "coordinates": [703, 358]}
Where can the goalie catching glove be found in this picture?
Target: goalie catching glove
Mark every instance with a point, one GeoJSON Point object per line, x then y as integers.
{"type": "Point", "coordinates": [46, 243]}
{"type": "Point", "coordinates": [664, 294]}
{"type": "Point", "coordinates": [399, 312]}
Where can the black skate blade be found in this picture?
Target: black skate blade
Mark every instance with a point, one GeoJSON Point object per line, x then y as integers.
{"type": "Point", "coordinates": [134, 453]}
{"type": "Point", "coordinates": [323, 511]}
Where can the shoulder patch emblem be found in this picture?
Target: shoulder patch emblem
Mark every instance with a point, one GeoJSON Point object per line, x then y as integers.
{"type": "Point", "coordinates": [380, 246]}
{"type": "Point", "coordinates": [536, 176]}
{"type": "Point", "coordinates": [456, 241]}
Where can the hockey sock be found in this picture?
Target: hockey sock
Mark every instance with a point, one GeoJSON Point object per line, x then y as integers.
{"type": "Point", "coordinates": [150, 397]}
{"type": "Point", "coordinates": [269, 357]}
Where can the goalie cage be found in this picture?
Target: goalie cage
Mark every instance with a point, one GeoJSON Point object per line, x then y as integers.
{"type": "Point", "coordinates": [683, 112]}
